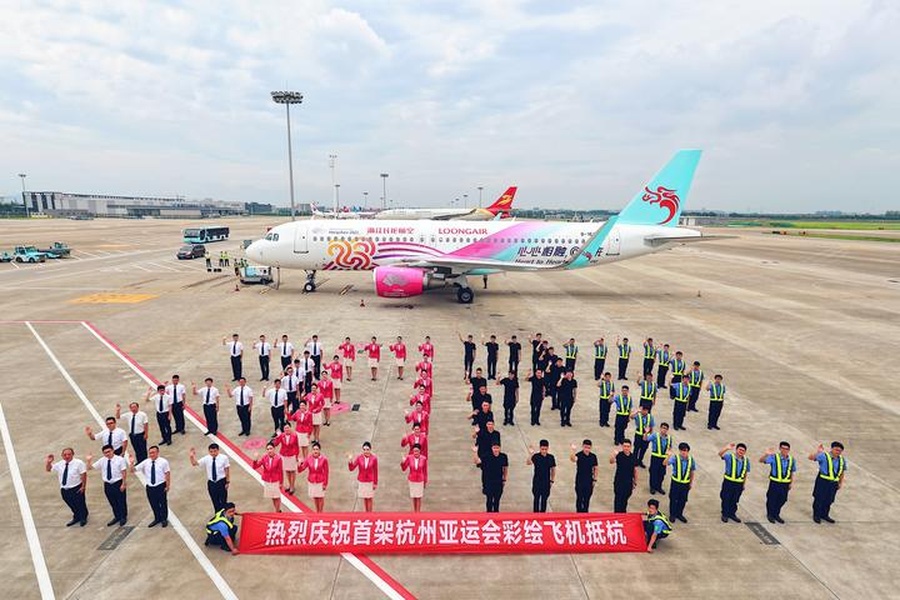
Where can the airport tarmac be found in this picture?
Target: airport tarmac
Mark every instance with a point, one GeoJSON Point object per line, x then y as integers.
{"type": "Point", "coordinates": [806, 332]}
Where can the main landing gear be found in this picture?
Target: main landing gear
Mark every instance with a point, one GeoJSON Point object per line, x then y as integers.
{"type": "Point", "coordinates": [310, 285]}
{"type": "Point", "coordinates": [464, 293]}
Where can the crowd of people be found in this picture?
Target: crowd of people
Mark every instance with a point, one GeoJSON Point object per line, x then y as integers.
{"type": "Point", "coordinates": [307, 386]}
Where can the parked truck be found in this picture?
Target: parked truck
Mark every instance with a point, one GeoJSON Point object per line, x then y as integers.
{"type": "Point", "coordinates": [28, 254]}
{"type": "Point", "coordinates": [57, 250]}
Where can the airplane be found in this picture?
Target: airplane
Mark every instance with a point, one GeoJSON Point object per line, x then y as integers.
{"type": "Point", "coordinates": [408, 258]}
{"type": "Point", "coordinates": [344, 213]}
{"type": "Point", "coordinates": [500, 208]}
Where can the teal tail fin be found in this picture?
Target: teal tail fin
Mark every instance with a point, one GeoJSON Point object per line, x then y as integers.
{"type": "Point", "coordinates": [661, 200]}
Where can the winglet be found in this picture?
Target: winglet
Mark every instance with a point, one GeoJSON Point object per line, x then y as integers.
{"type": "Point", "coordinates": [661, 200]}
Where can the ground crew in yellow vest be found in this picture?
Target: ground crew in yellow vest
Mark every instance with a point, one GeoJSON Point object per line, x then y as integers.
{"type": "Point", "coordinates": [660, 444]}
{"type": "Point", "coordinates": [643, 427]}
{"type": "Point", "coordinates": [571, 354]}
{"type": "Point", "coordinates": [662, 361]}
{"type": "Point", "coordinates": [782, 467]}
{"type": "Point", "coordinates": [680, 482]}
{"type": "Point", "coordinates": [607, 389]}
{"type": "Point", "coordinates": [716, 401]}
{"type": "Point", "coordinates": [221, 530]}
{"type": "Point", "coordinates": [624, 354]}
{"type": "Point", "coordinates": [600, 351]}
{"type": "Point", "coordinates": [656, 526]}
{"type": "Point", "coordinates": [680, 392]}
{"type": "Point", "coordinates": [737, 466]}
{"type": "Point", "coordinates": [648, 392]}
{"type": "Point", "coordinates": [649, 356]}
{"type": "Point", "coordinates": [829, 479]}
{"type": "Point", "coordinates": [678, 365]}
{"type": "Point", "coordinates": [695, 380]}
{"type": "Point", "coordinates": [221, 258]}
{"type": "Point", "coordinates": [623, 404]}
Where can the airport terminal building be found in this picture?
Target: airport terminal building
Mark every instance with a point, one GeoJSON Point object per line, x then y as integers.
{"type": "Point", "coordinates": [63, 204]}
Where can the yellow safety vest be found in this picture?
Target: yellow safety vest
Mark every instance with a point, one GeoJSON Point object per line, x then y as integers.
{"type": "Point", "coordinates": [624, 350]}
{"type": "Point", "coordinates": [606, 388]}
{"type": "Point", "coordinates": [661, 517]}
{"type": "Point", "coordinates": [641, 423]}
{"type": "Point", "coordinates": [831, 476]}
{"type": "Point", "coordinates": [717, 391]}
{"type": "Point", "coordinates": [662, 357]}
{"type": "Point", "coordinates": [683, 393]}
{"type": "Point", "coordinates": [677, 367]}
{"type": "Point", "coordinates": [600, 351]}
{"type": "Point", "coordinates": [695, 378]}
{"type": "Point", "coordinates": [777, 475]}
{"type": "Point", "coordinates": [682, 472]}
{"type": "Point", "coordinates": [649, 352]}
{"type": "Point", "coordinates": [648, 389]}
{"type": "Point", "coordinates": [624, 407]}
{"type": "Point", "coordinates": [657, 449]}
{"type": "Point", "coordinates": [219, 518]}
{"type": "Point", "coordinates": [732, 473]}
{"type": "Point", "coordinates": [571, 351]}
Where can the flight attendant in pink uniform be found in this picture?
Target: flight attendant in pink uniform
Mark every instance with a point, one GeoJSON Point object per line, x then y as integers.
{"type": "Point", "coordinates": [417, 466]}
{"type": "Point", "coordinates": [366, 465]}
{"type": "Point", "coordinates": [317, 480]}
{"type": "Point", "coordinates": [399, 350]}
{"type": "Point", "coordinates": [270, 466]}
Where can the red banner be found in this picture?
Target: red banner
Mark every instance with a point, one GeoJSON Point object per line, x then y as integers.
{"type": "Point", "coordinates": [444, 533]}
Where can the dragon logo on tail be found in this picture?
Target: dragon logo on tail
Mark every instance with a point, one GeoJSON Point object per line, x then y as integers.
{"type": "Point", "coordinates": [666, 198]}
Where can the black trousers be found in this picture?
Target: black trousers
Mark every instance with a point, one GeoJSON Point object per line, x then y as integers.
{"type": "Point", "coordinates": [218, 493]}
{"type": "Point", "coordinates": [661, 376]}
{"type": "Point", "coordinates": [74, 499]}
{"type": "Point", "coordinates": [236, 368]}
{"type": "Point", "coordinates": [139, 444]}
{"type": "Point", "coordinates": [776, 497]}
{"type": "Point", "coordinates": [165, 427]}
{"type": "Point", "coordinates": [117, 499]}
{"type": "Point", "coordinates": [468, 362]}
{"type": "Point", "coordinates": [541, 495]}
{"type": "Point", "coordinates": [657, 472]}
{"type": "Point", "coordinates": [536, 404]}
{"type": "Point", "coordinates": [514, 365]}
{"type": "Point", "coordinates": [159, 502]}
{"type": "Point", "coordinates": [264, 367]}
{"type": "Point", "coordinates": [553, 392]}
{"type": "Point", "coordinates": [285, 362]}
{"type": "Point", "coordinates": [679, 409]}
{"type": "Point", "coordinates": [621, 426]}
{"type": "Point", "coordinates": [599, 364]}
{"type": "Point", "coordinates": [565, 411]}
{"type": "Point", "coordinates": [243, 413]}
{"type": "Point", "coordinates": [293, 401]}
{"type": "Point", "coordinates": [730, 495]}
{"type": "Point", "coordinates": [570, 364]}
{"type": "Point", "coordinates": [212, 418]}
{"type": "Point", "coordinates": [621, 494]}
{"type": "Point", "coordinates": [623, 368]}
{"type": "Point", "coordinates": [492, 497]}
{"type": "Point", "coordinates": [583, 495]}
{"type": "Point", "coordinates": [648, 533]}
{"type": "Point", "coordinates": [178, 415]}
{"type": "Point", "coordinates": [317, 366]}
{"type": "Point", "coordinates": [824, 493]}
{"type": "Point", "coordinates": [278, 417]}
{"type": "Point", "coordinates": [715, 410]}
{"type": "Point", "coordinates": [307, 382]}
{"type": "Point", "coordinates": [648, 365]}
{"type": "Point", "coordinates": [604, 412]}
{"type": "Point", "coordinates": [640, 448]}
{"type": "Point", "coordinates": [692, 399]}
{"type": "Point", "coordinates": [509, 414]}
{"type": "Point", "coordinates": [492, 366]}
{"type": "Point", "coordinates": [678, 497]}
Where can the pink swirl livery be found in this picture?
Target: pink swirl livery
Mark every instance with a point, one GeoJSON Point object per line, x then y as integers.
{"type": "Point", "coordinates": [665, 197]}
{"type": "Point", "coordinates": [354, 255]}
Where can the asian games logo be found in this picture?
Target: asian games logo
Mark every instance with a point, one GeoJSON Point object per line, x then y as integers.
{"type": "Point", "coordinates": [666, 198]}
{"type": "Point", "coordinates": [355, 255]}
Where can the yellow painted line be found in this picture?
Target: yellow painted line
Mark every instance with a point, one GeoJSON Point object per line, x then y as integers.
{"type": "Point", "coordinates": [112, 298]}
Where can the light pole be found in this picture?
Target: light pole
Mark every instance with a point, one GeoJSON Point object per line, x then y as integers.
{"type": "Point", "coordinates": [337, 197]}
{"type": "Point", "coordinates": [466, 200]}
{"type": "Point", "coordinates": [480, 187]}
{"type": "Point", "coordinates": [365, 199]}
{"type": "Point", "coordinates": [384, 177]}
{"type": "Point", "coordinates": [332, 163]}
{"type": "Point", "coordinates": [24, 199]}
{"type": "Point", "coordinates": [288, 98]}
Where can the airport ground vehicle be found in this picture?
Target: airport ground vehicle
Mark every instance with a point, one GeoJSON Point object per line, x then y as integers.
{"type": "Point", "coordinates": [57, 250]}
{"type": "Point", "coordinates": [204, 235]}
{"type": "Point", "coordinates": [256, 274]}
{"type": "Point", "coordinates": [28, 254]}
{"type": "Point", "coordinates": [191, 252]}
{"type": "Point", "coordinates": [6, 257]}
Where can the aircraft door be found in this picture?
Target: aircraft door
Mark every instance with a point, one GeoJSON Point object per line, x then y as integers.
{"type": "Point", "coordinates": [301, 239]}
{"type": "Point", "coordinates": [614, 244]}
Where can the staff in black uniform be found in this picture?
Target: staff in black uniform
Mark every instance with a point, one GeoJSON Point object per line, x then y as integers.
{"type": "Point", "coordinates": [566, 394]}
{"type": "Point", "coordinates": [515, 353]}
{"type": "Point", "coordinates": [468, 355]}
{"type": "Point", "coordinates": [538, 391]}
{"type": "Point", "coordinates": [544, 474]}
{"type": "Point", "coordinates": [494, 467]}
{"type": "Point", "coordinates": [493, 351]}
{"type": "Point", "coordinates": [625, 478]}
{"type": "Point", "coordinates": [586, 469]}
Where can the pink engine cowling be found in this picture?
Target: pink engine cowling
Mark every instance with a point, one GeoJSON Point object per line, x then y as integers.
{"type": "Point", "coordinates": [399, 282]}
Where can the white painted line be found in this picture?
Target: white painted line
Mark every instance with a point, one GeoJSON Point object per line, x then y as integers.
{"type": "Point", "coordinates": [142, 268]}
{"type": "Point", "coordinates": [13, 263]}
{"type": "Point", "coordinates": [180, 529]}
{"type": "Point", "coordinates": [91, 254]}
{"type": "Point", "coordinates": [34, 542]}
{"type": "Point", "coordinates": [287, 502]}
{"type": "Point", "coordinates": [167, 268]}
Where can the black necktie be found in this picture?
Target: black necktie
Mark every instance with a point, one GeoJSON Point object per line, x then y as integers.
{"type": "Point", "coordinates": [109, 469]}
{"type": "Point", "coordinates": [153, 472]}
{"type": "Point", "coordinates": [214, 477]}
{"type": "Point", "coordinates": [132, 423]}
{"type": "Point", "coordinates": [110, 439]}
{"type": "Point", "coordinates": [65, 478]}
{"type": "Point", "coordinates": [161, 408]}
{"type": "Point", "coordinates": [208, 391]}
{"type": "Point", "coordinates": [242, 395]}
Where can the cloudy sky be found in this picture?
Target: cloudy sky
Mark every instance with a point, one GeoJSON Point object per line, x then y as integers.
{"type": "Point", "coordinates": [794, 103]}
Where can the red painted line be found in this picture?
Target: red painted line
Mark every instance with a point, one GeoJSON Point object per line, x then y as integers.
{"type": "Point", "coordinates": [368, 562]}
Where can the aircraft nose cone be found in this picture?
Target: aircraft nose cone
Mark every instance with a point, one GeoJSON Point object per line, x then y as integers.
{"type": "Point", "coordinates": [255, 252]}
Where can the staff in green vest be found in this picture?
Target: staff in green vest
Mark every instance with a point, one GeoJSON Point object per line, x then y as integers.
{"type": "Point", "coordinates": [737, 465]}
{"type": "Point", "coordinates": [829, 479]}
{"type": "Point", "coordinates": [656, 526]}
{"type": "Point", "coordinates": [221, 530]}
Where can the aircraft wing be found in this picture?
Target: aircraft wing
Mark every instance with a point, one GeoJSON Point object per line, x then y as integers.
{"type": "Point", "coordinates": [447, 217]}
{"type": "Point", "coordinates": [464, 265]}
{"type": "Point", "coordinates": [659, 240]}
